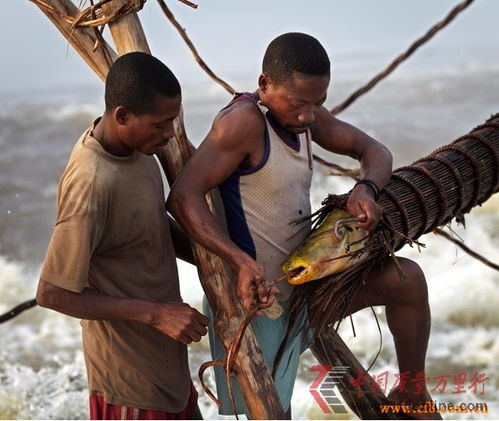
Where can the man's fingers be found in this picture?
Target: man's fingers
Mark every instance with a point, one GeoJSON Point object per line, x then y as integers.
{"type": "Point", "coordinates": [200, 329]}
{"type": "Point", "coordinates": [263, 292]}
{"type": "Point", "coordinates": [248, 303]}
{"type": "Point", "coordinates": [202, 318]}
{"type": "Point", "coordinates": [194, 337]}
{"type": "Point", "coordinates": [267, 304]}
{"type": "Point", "coordinates": [373, 213]}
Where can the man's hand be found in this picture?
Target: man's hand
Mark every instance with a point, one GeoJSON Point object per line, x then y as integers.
{"type": "Point", "coordinates": [361, 204]}
{"type": "Point", "coordinates": [251, 285]}
{"type": "Point", "coordinates": [180, 322]}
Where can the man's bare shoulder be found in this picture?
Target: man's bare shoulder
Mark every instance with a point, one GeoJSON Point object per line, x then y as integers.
{"type": "Point", "coordinates": [241, 122]}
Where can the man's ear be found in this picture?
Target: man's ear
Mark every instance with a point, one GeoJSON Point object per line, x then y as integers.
{"type": "Point", "coordinates": [263, 82]}
{"type": "Point", "coordinates": [121, 115]}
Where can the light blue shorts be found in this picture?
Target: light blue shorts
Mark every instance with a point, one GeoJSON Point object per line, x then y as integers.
{"type": "Point", "coordinates": [270, 334]}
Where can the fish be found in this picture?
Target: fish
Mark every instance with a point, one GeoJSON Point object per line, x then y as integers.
{"type": "Point", "coordinates": [333, 246]}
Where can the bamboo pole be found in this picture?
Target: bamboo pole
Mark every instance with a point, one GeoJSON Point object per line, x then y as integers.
{"type": "Point", "coordinates": [253, 375]}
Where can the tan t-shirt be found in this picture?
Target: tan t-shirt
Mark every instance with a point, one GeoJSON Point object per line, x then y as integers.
{"type": "Point", "coordinates": [112, 234]}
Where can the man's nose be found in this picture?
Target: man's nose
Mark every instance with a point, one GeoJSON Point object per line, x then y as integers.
{"type": "Point", "coordinates": [307, 117]}
{"type": "Point", "coordinates": [169, 132]}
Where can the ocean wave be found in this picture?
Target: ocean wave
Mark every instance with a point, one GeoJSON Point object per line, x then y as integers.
{"type": "Point", "coordinates": [50, 393]}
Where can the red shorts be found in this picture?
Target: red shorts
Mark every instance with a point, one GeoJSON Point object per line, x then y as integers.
{"type": "Point", "coordinates": [101, 410]}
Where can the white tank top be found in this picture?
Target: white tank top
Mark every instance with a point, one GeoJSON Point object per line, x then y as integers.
{"type": "Point", "coordinates": [259, 203]}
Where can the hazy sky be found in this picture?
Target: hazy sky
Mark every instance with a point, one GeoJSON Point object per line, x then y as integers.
{"type": "Point", "coordinates": [232, 34]}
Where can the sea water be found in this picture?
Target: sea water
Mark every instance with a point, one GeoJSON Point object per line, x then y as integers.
{"type": "Point", "coordinates": [42, 373]}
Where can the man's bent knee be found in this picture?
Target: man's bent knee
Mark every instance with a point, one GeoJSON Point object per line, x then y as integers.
{"type": "Point", "coordinates": [413, 286]}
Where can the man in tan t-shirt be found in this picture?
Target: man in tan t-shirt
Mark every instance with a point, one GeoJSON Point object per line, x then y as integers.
{"type": "Point", "coordinates": [111, 259]}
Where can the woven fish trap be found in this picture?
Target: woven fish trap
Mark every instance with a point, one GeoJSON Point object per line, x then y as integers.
{"type": "Point", "coordinates": [444, 185]}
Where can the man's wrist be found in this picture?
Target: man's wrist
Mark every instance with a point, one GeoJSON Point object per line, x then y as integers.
{"type": "Point", "coordinates": [148, 313]}
{"type": "Point", "coordinates": [368, 186]}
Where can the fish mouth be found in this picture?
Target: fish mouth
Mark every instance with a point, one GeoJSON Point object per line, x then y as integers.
{"type": "Point", "coordinates": [294, 275]}
{"type": "Point", "coordinates": [333, 247]}
{"type": "Point", "coordinates": [302, 273]}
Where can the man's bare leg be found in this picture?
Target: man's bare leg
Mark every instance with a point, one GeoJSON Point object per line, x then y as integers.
{"type": "Point", "coordinates": [408, 317]}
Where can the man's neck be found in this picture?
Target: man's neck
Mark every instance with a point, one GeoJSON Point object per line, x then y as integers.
{"type": "Point", "coordinates": [104, 134]}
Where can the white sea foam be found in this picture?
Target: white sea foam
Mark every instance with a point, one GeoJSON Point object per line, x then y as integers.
{"type": "Point", "coordinates": [49, 393]}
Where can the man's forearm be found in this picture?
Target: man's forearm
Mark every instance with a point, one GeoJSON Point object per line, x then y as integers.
{"type": "Point", "coordinates": [376, 165]}
{"type": "Point", "coordinates": [181, 242]}
{"type": "Point", "coordinates": [193, 214]}
{"type": "Point", "coordinates": [91, 304]}
{"type": "Point", "coordinates": [179, 321]}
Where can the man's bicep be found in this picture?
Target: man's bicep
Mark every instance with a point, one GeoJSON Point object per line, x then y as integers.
{"type": "Point", "coordinates": [229, 142]}
{"type": "Point", "coordinates": [338, 136]}
{"type": "Point", "coordinates": [216, 163]}
{"type": "Point", "coordinates": [216, 159]}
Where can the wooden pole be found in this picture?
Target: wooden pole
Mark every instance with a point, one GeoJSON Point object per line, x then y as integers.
{"type": "Point", "coordinates": [127, 32]}
{"type": "Point", "coordinates": [253, 375]}
{"type": "Point", "coordinates": [83, 40]}
{"type": "Point", "coordinates": [330, 350]}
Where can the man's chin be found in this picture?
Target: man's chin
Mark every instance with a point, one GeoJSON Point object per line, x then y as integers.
{"type": "Point", "coordinates": [157, 148]}
{"type": "Point", "coordinates": [297, 130]}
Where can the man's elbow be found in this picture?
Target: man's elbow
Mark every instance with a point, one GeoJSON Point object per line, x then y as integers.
{"type": "Point", "coordinates": [176, 199]}
{"type": "Point", "coordinates": [46, 295]}
{"type": "Point", "coordinates": [388, 156]}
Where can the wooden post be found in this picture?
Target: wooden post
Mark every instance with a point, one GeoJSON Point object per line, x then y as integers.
{"type": "Point", "coordinates": [253, 375]}
{"type": "Point", "coordinates": [82, 39]}
{"type": "Point", "coordinates": [127, 31]}
{"type": "Point", "coordinates": [330, 350]}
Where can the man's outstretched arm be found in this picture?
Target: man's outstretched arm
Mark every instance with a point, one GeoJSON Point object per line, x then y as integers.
{"type": "Point", "coordinates": [375, 163]}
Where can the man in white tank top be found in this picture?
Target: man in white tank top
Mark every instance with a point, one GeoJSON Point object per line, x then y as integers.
{"type": "Point", "coordinates": [258, 155]}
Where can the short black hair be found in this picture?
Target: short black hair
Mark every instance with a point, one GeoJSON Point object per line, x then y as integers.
{"type": "Point", "coordinates": [135, 79]}
{"type": "Point", "coordinates": [295, 52]}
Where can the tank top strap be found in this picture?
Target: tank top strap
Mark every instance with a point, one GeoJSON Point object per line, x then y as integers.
{"type": "Point", "coordinates": [247, 97]}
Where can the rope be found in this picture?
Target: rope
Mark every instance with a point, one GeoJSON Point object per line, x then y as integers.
{"type": "Point", "coordinates": [402, 57]}
{"type": "Point", "coordinates": [440, 191]}
{"type": "Point", "coordinates": [230, 359]}
{"type": "Point", "coordinates": [477, 182]}
{"type": "Point", "coordinates": [17, 310]}
{"type": "Point", "coordinates": [455, 173]}
{"type": "Point", "coordinates": [464, 247]}
{"type": "Point", "coordinates": [191, 47]}
{"type": "Point", "coordinates": [421, 202]}
{"type": "Point", "coordinates": [352, 173]}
